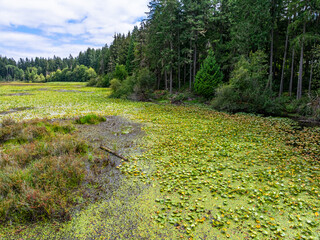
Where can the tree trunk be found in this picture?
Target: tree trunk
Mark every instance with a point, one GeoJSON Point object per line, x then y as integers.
{"type": "Point", "coordinates": [171, 48]}
{"type": "Point", "coordinates": [166, 79]}
{"type": "Point", "coordinates": [271, 62]}
{"type": "Point", "coordinates": [195, 60]}
{"type": "Point", "coordinates": [190, 77]}
{"type": "Point", "coordinates": [179, 60]}
{"type": "Point", "coordinates": [299, 90]}
{"type": "Point", "coordinates": [184, 74]}
{"type": "Point", "coordinates": [284, 61]}
{"type": "Point", "coordinates": [159, 80]}
{"type": "Point", "coordinates": [310, 79]}
{"type": "Point", "coordinates": [171, 81]}
{"type": "Point", "coordinates": [190, 80]}
{"type": "Point", "coordinates": [292, 73]}
{"type": "Point", "coordinates": [179, 74]}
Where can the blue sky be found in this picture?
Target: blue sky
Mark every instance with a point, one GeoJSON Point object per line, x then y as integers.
{"type": "Point", "coordinates": [44, 28]}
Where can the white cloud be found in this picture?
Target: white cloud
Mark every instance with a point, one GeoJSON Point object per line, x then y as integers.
{"type": "Point", "coordinates": [63, 22]}
{"type": "Point", "coordinates": [22, 45]}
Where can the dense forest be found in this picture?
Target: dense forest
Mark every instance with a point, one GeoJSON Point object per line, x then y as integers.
{"type": "Point", "coordinates": [247, 55]}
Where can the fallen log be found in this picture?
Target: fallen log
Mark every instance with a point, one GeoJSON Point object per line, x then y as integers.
{"type": "Point", "coordinates": [113, 153]}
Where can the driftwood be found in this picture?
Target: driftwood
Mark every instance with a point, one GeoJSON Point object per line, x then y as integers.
{"type": "Point", "coordinates": [113, 153]}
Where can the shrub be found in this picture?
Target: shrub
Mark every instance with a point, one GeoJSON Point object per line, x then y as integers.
{"type": "Point", "coordinates": [226, 99]}
{"type": "Point", "coordinates": [145, 83]}
{"type": "Point", "coordinates": [38, 180]}
{"type": "Point", "coordinates": [246, 90]}
{"type": "Point", "coordinates": [120, 72]}
{"type": "Point", "coordinates": [30, 131]}
{"type": "Point", "coordinates": [115, 85]}
{"type": "Point", "coordinates": [105, 81]}
{"type": "Point", "coordinates": [93, 82]}
{"type": "Point", "coordinates": [160, 94]}
{"type": "Point", "coordinates": [122, 89]}
{"type": "Point", "coordinates": [127, 86]}
{"type": "Point", "coordinates": [208, 77]}
{"type": "Point", "coordinates": [90, 119]}
{"type": "Point", "coordinates": [141, 84]}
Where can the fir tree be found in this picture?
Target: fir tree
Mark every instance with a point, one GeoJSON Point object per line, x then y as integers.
{"type": "Point", "coordinates": [208, 77]}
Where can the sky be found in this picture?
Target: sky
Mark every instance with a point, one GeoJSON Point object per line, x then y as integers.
{"type": "Point", "coordinates": [44, 28]}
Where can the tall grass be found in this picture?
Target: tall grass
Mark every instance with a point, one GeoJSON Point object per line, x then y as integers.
{"type": "Point", "coordinates": [41, 165]}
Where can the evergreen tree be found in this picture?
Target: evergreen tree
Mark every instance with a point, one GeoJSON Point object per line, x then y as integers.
{"type": "Point", "coordinates": [208, 77]}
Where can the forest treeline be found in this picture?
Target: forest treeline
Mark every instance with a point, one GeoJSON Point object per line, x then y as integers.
{"type": "Point", "coordinates": [246, 55]}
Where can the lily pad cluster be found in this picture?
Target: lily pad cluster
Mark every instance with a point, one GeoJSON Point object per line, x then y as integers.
{"type": "Point", "coordinates": [231, 172]}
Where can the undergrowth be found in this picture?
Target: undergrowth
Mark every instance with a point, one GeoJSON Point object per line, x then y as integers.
{"type": "Point", "coordinates": [90, 119]}
{"type": "Point", "coordinates": [41, 165]}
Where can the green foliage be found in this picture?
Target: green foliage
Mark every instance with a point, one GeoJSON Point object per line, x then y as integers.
{"type": "Point", "coordinates": [105, 81]}
{"type": "Point", "coordinates": [93, 82]}
{"type": "Point", "coordinates": [247, 88]}
{"type": "Point", "coordinates": [130, 57]}
{"type": "Point", "coordinates": [208, 77]}
{"type": "Point", "coordinates": [123, 89]}
{"type": "Point", "coordinates": [32, 75]}
{"type": "Point", "coordinates": [78, 74]}
{"type": "Point", "coordinates": [90, 119]}
{"type": "Point", "coordinates": [145, 82]}
{"type": "Point", "coordinates": [101, 81]}
{"type": "Point", "coordinates": [141, 84]}
{"type": "Point", "coordinates": [120, 72]}
{"type": "Point", "coordinates": [226, 99]}
{"type": "Point", "coordinates": [39, 177]}
{"type": "Point", "coordinates": [30, 131]}
{"type": "Point", "coordinates": [115, 85]}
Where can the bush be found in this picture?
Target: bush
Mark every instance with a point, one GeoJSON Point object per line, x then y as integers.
{"type": "Point", "coordinates": [145, 83]}
{"type": "Point", "coordinates": [141, 84]}
{"type": "Point", "coordinates": [90, 119]}
{"type": "Point", "coordinates": [120, 72]}
{"type": "Point", "coordinates": [226, 99]}
{"type": "Point", "coordinates": [160, 94]}
{"type": "Point", "coordinates": [246, 90]}
{"type": "Point", "coordinates": [123, 89]}
{"type": "Point", "coordinates": [105, 81]}
{"type": "Point", "coordinates": [78, 74]}
{"type": "Point", "coordinates": [93, 82]}
{"type": "Point", "coordinates": [115, 85]}
{"type": "Point", "coordinates": [208, 77]}
{"type": "Point", "coordinates": [38, 179]}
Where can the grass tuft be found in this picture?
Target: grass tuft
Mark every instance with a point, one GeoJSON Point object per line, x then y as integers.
{"type": "Point", "coordinates": [90, 119]}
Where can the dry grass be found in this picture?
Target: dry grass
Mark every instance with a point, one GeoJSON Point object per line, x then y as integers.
{"type": "Point", "coordinates": [41, 165]}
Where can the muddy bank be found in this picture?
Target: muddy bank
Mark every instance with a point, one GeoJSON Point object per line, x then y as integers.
{"type": "Point", "coordinates": [305, 122]}
{"type": "Point", "coordinates": [71, 91]}
{"type": "Point", "coordinates": [13, 110]}
{"type": "Point", "coordinates": [122, 137]}
{"type": "Point", "coordinates": [17, 94]}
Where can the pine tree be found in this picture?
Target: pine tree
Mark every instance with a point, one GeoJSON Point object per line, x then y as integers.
{"type": "Point", "coordinates": [130, 57]}
{"type": "Point", "coordinates": [208, 77]}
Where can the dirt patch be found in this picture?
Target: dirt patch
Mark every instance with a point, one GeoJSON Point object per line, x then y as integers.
{"type": "Point", "coordinates": [116, 132]}
{"type": "Point", "coordinates": [17, 94]}
{"type": "Point", "coordinates": [121, 136]}
{"type": "Point", "coordinates": [43, 89]}
{"type": "Point", "coordinates": [72, 91]}
{"type": "Point", "coordinates": [13, 110]}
